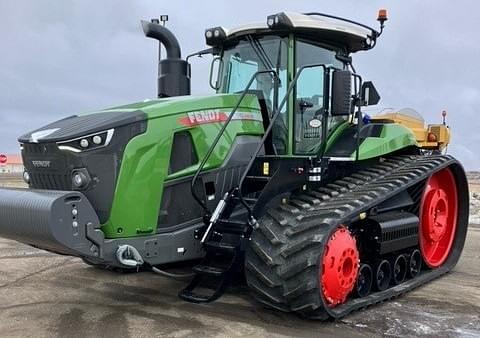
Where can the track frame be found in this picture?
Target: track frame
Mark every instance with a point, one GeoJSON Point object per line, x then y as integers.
{"type": "Point", "coordinates": [283, 256]}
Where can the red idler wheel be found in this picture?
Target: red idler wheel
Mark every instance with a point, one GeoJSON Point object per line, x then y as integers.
{"type": "Point", "coordinates": [438, 217]}
{"type": "Point", "coordinates": [340, 265]}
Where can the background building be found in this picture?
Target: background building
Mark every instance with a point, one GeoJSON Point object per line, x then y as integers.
{"type": "Point", "coordinates": [14, 164]}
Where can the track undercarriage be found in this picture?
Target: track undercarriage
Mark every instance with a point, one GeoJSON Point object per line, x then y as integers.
{"type": "Point", "coordinates": [291, 258]}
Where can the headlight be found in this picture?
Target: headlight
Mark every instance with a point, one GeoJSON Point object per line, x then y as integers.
{"type": "Point", "coordinates": [80, 179]}
{"type": "Point", "coordinates": [97, 139]}
{"type": "Point", "coordinates": [279, 21]}
{"type": "Point", "coordinates": [87, 142]}
{"type": "Point", "coordinates": [215, 36]}
{"type": "Point", "coordinates": [84, 143]}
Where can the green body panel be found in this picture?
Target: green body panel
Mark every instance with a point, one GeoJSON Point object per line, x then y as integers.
{"type": "Point", "coordinates": [336, 133]}
{"type": "Point", "coordinates": [392, 138]}
{"type": "Point", "coordinates": [181, 104]}
{"type": "Point", "coordinates": [146, 158]}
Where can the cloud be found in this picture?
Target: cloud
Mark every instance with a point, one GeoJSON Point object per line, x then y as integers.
{"type": "Point", "coordinates": [59, 58]}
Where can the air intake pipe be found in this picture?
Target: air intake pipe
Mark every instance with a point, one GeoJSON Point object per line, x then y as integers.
{"type": "Point", "coordinates": [173, 72]}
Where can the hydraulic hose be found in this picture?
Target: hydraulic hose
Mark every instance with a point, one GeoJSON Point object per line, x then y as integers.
{"type": "Point", "coordinates": [164, 273]}
{"type": "Point", "coordinates": [129, 256]}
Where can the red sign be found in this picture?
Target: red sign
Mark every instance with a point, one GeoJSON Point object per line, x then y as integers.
{"type": "Point", "coordinates": [3, 159]}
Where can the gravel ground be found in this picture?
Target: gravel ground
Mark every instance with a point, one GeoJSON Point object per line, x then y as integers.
{"type": "Point", "coordinates": [46, 295]}
{"type": "Point", "coordinates": [474, 179]}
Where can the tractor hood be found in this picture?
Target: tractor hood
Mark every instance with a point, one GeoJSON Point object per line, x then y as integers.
{"type": "Point", "coordinates": [184, 104]}
{"type": "Point", "coordinates": [77, 126]}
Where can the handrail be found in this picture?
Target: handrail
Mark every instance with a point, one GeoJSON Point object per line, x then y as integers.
{"type": "Point", "coordinates": [222, 130]}
{"type": "Point", "coordinates": [359, 117]}
{"type": "Point", "coordinates": [292, 85]}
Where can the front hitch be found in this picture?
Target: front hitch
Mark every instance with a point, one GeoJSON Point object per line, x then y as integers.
{"type": "Point", "coordinates": [59, 221]}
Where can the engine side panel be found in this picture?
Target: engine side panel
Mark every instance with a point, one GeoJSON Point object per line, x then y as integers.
{"type": "Point", "coordinates": [376, 139]}
{"type": "Point", "coordinates": [146, 160]}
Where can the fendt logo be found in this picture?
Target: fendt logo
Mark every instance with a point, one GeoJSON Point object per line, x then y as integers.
{"type": "Point", "coordinates": [200, 117]}
{"type": "Point", "coordinates": [203, 117]}
{"type": "Point", "coordinates": [214, 116]}
{"type": "Point", "coordinates": [41, 164]}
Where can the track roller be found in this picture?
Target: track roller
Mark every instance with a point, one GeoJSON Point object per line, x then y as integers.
{"type": "Point", "coordinates": [415, 263]}
{"type": "Point", "coordinates": [383, 274]}
{"type": "Point", "coordinates": [364, 280]}
{"type": "Point", "coordinates": [399, 270]}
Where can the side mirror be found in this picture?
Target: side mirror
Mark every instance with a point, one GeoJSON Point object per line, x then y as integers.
{"type": "Point", "coordinates": [370, 96]}
{"type": "Point", "coordinates": [215, 70]}
{"type": "Point", "coordinates": [341, 93]}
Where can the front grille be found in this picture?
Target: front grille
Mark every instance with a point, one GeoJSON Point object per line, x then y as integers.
{"type": "Point", "coordinates": [56, 177]}
{"type": "Point", "coordinates": [50, 181]}
{"type": "Point", "coordinates": [30, 148]}
{"type": "Point", "coordinates": [102, 165]}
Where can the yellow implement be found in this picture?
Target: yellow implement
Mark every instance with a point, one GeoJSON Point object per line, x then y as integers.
{"type": "Point", "coordinates": [432, 136]}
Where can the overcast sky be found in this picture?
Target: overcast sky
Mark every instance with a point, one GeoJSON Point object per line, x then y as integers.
{"type": "Point", "coordinates": [58, 58]}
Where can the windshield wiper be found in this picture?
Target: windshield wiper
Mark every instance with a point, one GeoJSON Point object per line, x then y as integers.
{"type": "Point", "coordinates": [265, 55]}
{"type": "Point", "coordinates": [258, 49]}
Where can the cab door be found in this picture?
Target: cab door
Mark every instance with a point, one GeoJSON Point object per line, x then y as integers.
{"type": "Point", "coordinates": [308, 106]}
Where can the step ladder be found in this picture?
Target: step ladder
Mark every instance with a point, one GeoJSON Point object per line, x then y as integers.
{"type": "Point", "coordinates": [225, 237]}
{"type": "Point", "coordinates": [225, 246]}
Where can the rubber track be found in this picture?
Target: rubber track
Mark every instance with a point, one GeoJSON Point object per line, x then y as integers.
{"type": "Point", "coordinates": [282, 261]}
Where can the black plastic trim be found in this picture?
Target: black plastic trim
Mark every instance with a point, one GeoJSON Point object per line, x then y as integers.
{"type": "Point", "coordinates": [77, 126]}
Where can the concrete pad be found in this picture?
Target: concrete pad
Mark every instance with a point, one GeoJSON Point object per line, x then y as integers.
{"type": "Point", "coordinates": [46, 295]}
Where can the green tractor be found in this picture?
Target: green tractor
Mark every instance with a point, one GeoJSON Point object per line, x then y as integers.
{"type": "Point", "coordinates": [278, 178]}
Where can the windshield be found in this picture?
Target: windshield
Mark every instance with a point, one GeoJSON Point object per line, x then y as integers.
{"type": "Point", "coordinates": [250, 55]}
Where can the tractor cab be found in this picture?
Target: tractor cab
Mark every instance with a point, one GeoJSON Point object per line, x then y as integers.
{"type": "Point", "coordinates": [272, 54]}
{"type": "Point", "coordinates": [299, 68]}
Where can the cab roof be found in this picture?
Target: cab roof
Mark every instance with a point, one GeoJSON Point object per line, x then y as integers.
{"type": "Point", "coordinates": [315, 26]}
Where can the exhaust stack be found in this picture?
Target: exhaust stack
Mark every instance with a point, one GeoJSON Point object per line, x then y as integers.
{"type": "Point", "coordinates": [173, 72]}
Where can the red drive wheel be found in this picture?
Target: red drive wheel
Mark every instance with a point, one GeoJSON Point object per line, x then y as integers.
{"type": "Point", "coordinates": [340, 265]}
{"type": "Point", "coordinates": [438, 217]}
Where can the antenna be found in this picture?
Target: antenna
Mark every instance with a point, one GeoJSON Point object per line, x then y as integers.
{"type": "Point", "coordinates": [444, 115]}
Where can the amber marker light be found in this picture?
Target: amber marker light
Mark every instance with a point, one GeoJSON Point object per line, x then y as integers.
{"type": "Point", "coordinates": [382, 15]}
